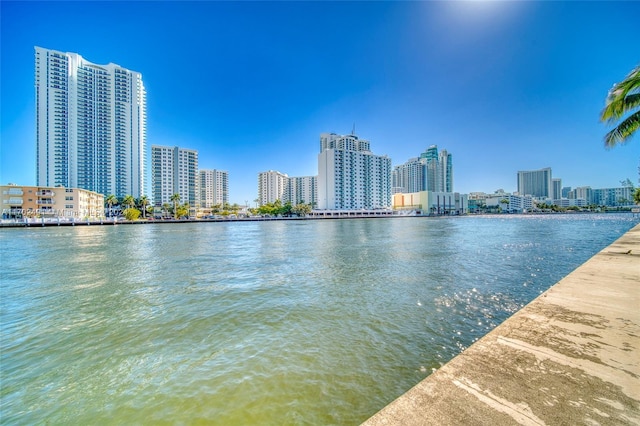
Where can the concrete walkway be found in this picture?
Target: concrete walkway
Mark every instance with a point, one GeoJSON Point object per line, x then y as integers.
{"type": "Point", "coordinates": [570, 357]}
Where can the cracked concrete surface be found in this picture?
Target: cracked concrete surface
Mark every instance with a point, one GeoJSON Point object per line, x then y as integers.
{"type": "Point", "coordinates": [570, 357]}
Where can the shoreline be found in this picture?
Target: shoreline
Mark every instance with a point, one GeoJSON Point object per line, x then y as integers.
{"type": "Point", "coordinates": [41, 222]}
{"type": "Point", "coordinates": [567, 357]}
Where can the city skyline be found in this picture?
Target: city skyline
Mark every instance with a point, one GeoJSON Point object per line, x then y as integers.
{"type": "Point", "coordinates": [506, 86]}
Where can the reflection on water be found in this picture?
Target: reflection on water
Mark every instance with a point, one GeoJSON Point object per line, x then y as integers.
{"type": "Point", "coordinates": [304, 322]}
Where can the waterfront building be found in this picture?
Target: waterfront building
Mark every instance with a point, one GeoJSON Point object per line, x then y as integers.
{"type": "Point", "coordinates": [571, 202]}
{"type": "Point", "coordinates": [90, 125]}
{"type": "Point", "coordinates": [445, 172]}
{"type": "Point", "coordinates": [537, 183]}
{"type": "Point", "coordinates": [174, 171]}
{"type": "Point", "coordinates": [213, 188]}
{"type": "Point", "coordinates": [410, 177]}
{"type": "Point", "coordinates": [510, 203]}
{"type": "Point", "coordinates": [350, 176]}
{"type": "Point", "coordinates": [430, 158]}
{"type": "Point", "coordinates": [274, 185]}
{"type": "Point", "coordinates": [432, 171]}
{"type": "Point", "coordinates": [582, 192]}
{"type": "Point", "coordinates": [271, 186]}
{"type": "Point", "coordinates": [565, 191]}
{"type": "Point", "coordinates": [432, 203]}
{"type": "Point", "coordinates": [476, 205]}
{"type": "Point", "coordinates": [557, 188]}
{"type": "Point", "coordinates": [613, 197]}
{"type": "Point", "coordinates": [303, 189]}
{"type": "Point", "coordinates": [20, 201]}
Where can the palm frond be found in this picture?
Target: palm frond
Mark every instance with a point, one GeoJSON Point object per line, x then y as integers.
{"type": "Point", "coordinates": [623, 132]}
{"type": "Point", "coordinates": [614, 111]}
{"type": "Point", "coordinates": [616, 103]}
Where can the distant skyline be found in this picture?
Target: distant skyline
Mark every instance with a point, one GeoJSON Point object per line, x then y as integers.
{"type": "Point", "coordinates": [502, 86]}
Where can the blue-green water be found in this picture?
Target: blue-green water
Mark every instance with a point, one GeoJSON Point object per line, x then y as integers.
{"type": "Point", "coordinates": [298, 322]}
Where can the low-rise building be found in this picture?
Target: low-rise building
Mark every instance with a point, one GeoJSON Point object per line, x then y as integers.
{"type": "Point", "coordinates": [571, 202]}
{"type": "Point", "coordinates": [510, 203]}
{"type": "Point", "coordinates": [432, 203]}
{"type": "Point", "coordinates": [19, 201]}
{"type": "Point", "coordinates": [613, 197]}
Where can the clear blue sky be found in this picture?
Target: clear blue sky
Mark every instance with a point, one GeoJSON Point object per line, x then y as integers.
{"type": "Point", "coordinates": [503, 86]}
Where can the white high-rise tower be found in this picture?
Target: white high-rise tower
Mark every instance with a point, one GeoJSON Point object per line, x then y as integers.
{"type": "Point", "coordinates": [175, 171]}
{"type": "Point", "coordinates": [350, 176]}
{"type": "Point", "coordinates": [213, 187]}
{"type": "Point", "coordinates": [90, 125]}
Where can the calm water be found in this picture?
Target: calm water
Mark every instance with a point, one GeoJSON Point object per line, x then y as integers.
{"type": "Point", "coordinates": [303, 322]}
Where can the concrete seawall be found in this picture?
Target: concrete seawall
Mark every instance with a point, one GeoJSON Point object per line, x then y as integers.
{"type": "Point", "coordinates": [570, 357]}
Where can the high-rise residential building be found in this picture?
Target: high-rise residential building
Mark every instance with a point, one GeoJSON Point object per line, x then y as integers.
{"type": "Point", "coordinates": [90, 125]}
{"type": "Point", "coordinates": [445, 172]}
{"type": "Point", "coordinates": [537, 183]}
{"type": "Point", "coordinates": [432, 171]}
{"type": "Point", "coordinates": [430, 158]}
{"type": "Point", "coordinates": [303, 189]}
{"type": "Point", "coordinates": [213, 188]}
{"type": "Point", "coordinates": [410, 176]}
{"type": "Point", "coordinates": [350, 176]}
{"type": "Point", "coordinates": [271, 186]}
{"type": "Point", "coordinates": [174, 171]}
{"type": "Point", "coordinates": [582, 193]}
{"type": "Point", "coordinates": [557, 188]}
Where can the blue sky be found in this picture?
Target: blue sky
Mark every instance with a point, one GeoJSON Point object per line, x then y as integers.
{"type": "Point", "coordinates": [503, 86]}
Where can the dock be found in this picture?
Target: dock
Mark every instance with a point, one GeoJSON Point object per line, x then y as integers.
{"type": "Point", "coordinates": [570, 357]}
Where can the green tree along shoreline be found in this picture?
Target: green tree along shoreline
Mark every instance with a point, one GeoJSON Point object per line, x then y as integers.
{"type": "Point", "coordinates": [134, 209]}
{"type": "Point", "coordinates": [285, 210]}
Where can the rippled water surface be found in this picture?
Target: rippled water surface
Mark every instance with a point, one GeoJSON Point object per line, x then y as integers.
{"type": "Point", "coordinates": [270, 323]}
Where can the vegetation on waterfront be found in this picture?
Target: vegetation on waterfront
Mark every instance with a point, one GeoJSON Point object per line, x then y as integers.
{"type": "Point", "coordinates": [285, 210]}
{"type": "Point", "coordinates": [134, 209]}
{"type": "Point", "coordinates": [623, 98]}
{"type": "Point", "coordinates": [175, 199]}
{"type": "Point", "coordinates": [131, 213]}
{"type": "Point", "coordinates": [129, 207]}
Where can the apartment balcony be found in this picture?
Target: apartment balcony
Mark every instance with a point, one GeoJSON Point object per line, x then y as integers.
{"type": "Point", "coordinates": [45, 193]}
{"type": "Point", "coordinates": [45, 202]}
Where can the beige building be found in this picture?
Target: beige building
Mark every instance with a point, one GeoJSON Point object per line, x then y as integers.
{"type": "Point", "coordinates": [432, 203]}
{"type": "Point", "coordinates": [40, 201]}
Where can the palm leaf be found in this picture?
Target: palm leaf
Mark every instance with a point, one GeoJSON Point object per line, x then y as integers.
{"type": "Point", "coordinates": [614, 112]}
{"type": "Point", "coordinates": [623, 131]}
{"type": "Point", "coordinates": [617, 103]}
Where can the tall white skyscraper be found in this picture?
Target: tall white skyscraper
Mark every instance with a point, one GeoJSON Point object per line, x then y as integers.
{"type": "Point", "coordinates": [537, 183]}
{"type": "Point", "coordinates": [350, 176]}
{"type": "Point", "coordinates": [213, 187]}
{"type": "Point", "coordinates": [272, 186]}
{"type": "Point", "coordinates": [174, 171]}
{"type": "Point", "coordinates": [90, 125]}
